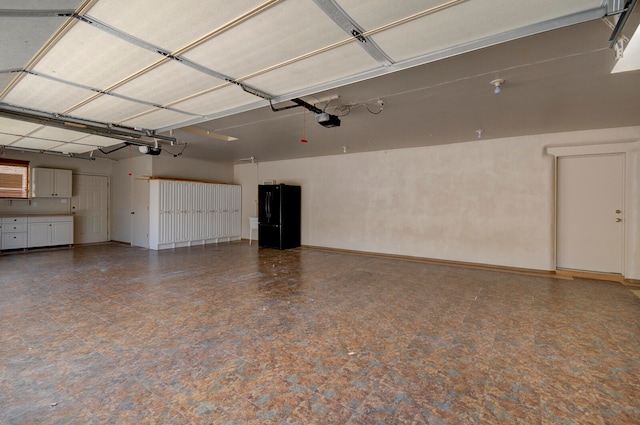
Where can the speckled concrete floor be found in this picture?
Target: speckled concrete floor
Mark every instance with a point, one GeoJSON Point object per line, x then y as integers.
{"type": "Point", "coordinates": [233, 334]}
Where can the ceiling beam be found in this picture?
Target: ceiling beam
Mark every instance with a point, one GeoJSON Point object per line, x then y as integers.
{"type": "Point", "coordinates": [113, 131]}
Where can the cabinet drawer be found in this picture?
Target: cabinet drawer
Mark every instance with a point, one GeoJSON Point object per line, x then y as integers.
{"type": "Point", "coordinates": [41, 219]}
{"type": "Point", "coordinates": [50, 218]}
{"type": "Point", "coordinates": [13, 228]}
{"type": "Point", "coordinates": [60, 218]}
{"type": "Point", "coordinates": [14, 220]}
{"type": "Point", "coordinates": [14, 240]}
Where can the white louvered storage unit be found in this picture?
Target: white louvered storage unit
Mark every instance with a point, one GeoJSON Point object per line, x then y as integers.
{"type": "Point", "coordinates": [188, 213]}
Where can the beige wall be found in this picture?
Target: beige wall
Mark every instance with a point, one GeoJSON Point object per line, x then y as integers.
{"type": "Point", "coordinates": [167, 166]}
{"type": "Point", "coordinates": [489, 201]}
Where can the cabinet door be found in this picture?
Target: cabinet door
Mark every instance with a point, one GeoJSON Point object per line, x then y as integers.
{"type": "Point", "coordinates": [14, 240]}
{"type": "Point", "coordinates": [51, 183]}
{"type": "Point", "coordinates": [62, 183]}
{"type": "Point", "coordinates": [167, 212]}
{"type": "Point", "coordinates": [211, 211]}
{"type": "Point", "coordinates": [39, 234]}
{"type": "Point", "coordinates": [198, 230]}
{"type": "Point", "coordinates": [236, 211]}
{"type": "Point", "coordinates": [42, 180]}
{"type": "Point", "coordinates": [223, 210]}
{"type": "Point", "coordinates": [182, 222]}
{"type": "Point", "coordinates": [62, 233]}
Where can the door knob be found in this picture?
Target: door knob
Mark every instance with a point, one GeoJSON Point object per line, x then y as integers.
{"type": "Point", "coordinates": [618, 211]}
{"type": "Point", "coordinates": [618, 220]}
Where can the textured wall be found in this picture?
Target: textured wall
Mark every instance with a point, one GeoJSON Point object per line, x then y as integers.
{"type": "Point", "coordinates": [184, 168]}
{"type": "Point", "coordinates": [489, 201]}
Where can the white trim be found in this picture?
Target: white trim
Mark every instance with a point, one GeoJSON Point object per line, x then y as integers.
{"type": "Point", "coordinates": [577, 150]}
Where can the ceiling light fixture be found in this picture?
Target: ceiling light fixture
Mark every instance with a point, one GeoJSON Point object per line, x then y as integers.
{"type": "Point", "coordinates": [496, 83]}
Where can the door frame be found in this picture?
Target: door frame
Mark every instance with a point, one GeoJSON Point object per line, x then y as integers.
{"type": "Point", "coordinates": [623, 235]}
{"type": "Point", "coordinates": [108, 197]}
{"type": "Point", "coordinates": [594, 150]}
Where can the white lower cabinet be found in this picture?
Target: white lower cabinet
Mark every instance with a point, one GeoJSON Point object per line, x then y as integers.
{"type": "Point", "coordinates": [32, 232]}
{"type": "Point", "coordinates": [14, 232]}
{"type": "Point", "coordinates": [49, 231]}
{"type": "Point", "coordinates": [188, 213]}
{"type": "Point", "coordinates": [39, 234]}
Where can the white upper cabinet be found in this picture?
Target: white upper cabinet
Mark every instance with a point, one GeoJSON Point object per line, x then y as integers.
{"type": "Point", "coordinates": [50, 183]}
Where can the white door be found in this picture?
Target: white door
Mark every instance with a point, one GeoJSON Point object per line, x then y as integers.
{"type": "Point", "coordinates": [140, 213]}
{"type": "Point", "coordinates": [590, 213]}
{"type": "Point", "coordinates": [90, 205]}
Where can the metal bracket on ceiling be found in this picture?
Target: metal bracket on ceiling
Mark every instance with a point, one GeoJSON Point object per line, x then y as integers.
{"type": "Point", "coordinates": [622, 19]}
{"type": "Point", "coordinates": [298, 103]}
{"type": "Point", "coordinates": [253, 91]}
{"type": "Point", "coordinates": [351, 27]}
{"type": "Point", "coordinates": [619, 48]}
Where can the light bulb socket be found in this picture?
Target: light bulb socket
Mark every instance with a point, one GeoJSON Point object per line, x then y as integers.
{"type": "Point", "coordinates": [496, 83]}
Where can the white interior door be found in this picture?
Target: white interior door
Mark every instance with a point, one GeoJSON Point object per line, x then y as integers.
{"type": "Point", "coordinates": [90, 205]}
{"type": "Point", "coordinates": [590, 213]}
{"type": "Point", "coordinates": [140, 213]}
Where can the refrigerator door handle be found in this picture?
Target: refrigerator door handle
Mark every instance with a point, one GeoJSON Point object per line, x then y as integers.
{"type": "Point", "coordinates": [267, 205]}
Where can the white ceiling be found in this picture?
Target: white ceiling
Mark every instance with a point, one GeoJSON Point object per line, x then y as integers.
{"type": "Point", "coordinates": [158, 66]}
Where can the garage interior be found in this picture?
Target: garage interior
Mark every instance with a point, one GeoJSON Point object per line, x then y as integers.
{"type": "Point", "coordinates": [448, 155]}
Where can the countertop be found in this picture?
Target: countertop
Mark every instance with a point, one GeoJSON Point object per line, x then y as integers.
{"type": "Point", "coordinates": [34, 215]}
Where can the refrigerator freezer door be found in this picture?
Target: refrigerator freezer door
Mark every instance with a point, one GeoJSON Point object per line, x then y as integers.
{"type": "Point", "coordinates": [290, 217]}
{"type": "Point", "coordinates": [269, 236]}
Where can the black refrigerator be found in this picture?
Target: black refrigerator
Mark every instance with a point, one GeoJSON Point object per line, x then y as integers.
{"type": "Point", "coordinates": [279, 216]}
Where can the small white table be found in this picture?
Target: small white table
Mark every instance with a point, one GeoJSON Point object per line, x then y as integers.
{"type": "Point", "coordinates": [253, 225]}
